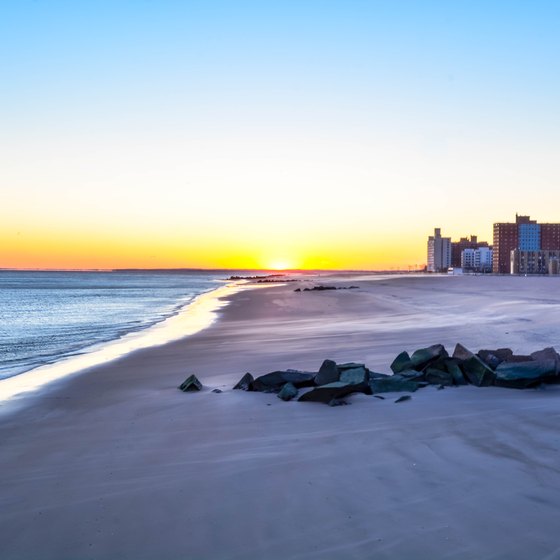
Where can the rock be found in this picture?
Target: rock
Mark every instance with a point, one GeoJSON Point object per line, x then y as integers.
{"type": "Point", "coordinates": [520, 375]}
{"type": "Point", "coordinates": [477, 372]}
{"type": "Point", "coordinates": [438, 377]}
{"type": "Point", "coordinates": [401, 362]}
{"type": "Point", "coordinates": [288, 392]}
{"type": "Point", "coordinates": [489, 358]}
{"type": "Point", "coordinates": [355, 375]}
{"type": "Point", "coordinates": [461, 353]}
{"type": "Point", "coordinates": [457, 373]}
{"type": "Point", "coordinates": [338, 402]}
{"type": "Point", "coordinates": [515, 358]}
{"type": "Point", "coordinates": [376, 375]}
{"type": "Point", "coordinates": [393, 383]}
{"type": "Point", "coordinates": [422, 357]}
{"type": "Point", "coordinates": [336, 390]}
{"type": "Point", "coordinates": [191, 383]}
{"type": "Point", "coordinates": [328, 373]}
{"type": "Point", "coordinates": [245, 383]}
{"type": "Point", "coordinates": [547, 354]}
{"type": "Point", "coordinates": [216, 390]}
{"type": "Point", "coordinates": [349, 365]}
{"type": "Point", "coordinates": [274, 381]}
{"type": "Point", "coordinates": [441, 387]}
{"type": "Point", "coordinates": [379, 397]}
{"type": "Point", "coordinates": [297, 290]}
{"type": "Point", "coordinates": [413, 375]}
{"type": "Point", "coordinates": [474, 369]}
{"type": "Point", "coordinates": [403, 398]}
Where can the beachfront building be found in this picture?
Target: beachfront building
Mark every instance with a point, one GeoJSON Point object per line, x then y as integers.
{"type": "Point", "coordinates": [439, 252]}
{"type": "Point", "coordinates": [525, 247]}
{"type": "Point", "coordinates": [457, 248]}
{"type": "Point", "coordinates": [534, 262]}
{"type": "Point", "coordinates": [477, 260]}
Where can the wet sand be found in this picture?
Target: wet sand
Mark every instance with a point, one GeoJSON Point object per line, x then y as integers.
{"type": "Point", "coordinates": [117, 463]}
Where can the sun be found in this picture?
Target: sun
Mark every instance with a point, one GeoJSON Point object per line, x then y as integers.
{"type": "Point", "coordinates": [280, 264]}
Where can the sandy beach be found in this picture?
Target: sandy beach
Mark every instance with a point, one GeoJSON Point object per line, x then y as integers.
{"type": "Point", "coordinates": [117, 463]}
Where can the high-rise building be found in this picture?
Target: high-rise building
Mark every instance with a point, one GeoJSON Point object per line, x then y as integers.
{"type": "Point", "coordinates": [439, 252]}
{"type": "Point", "coordinates": [525, 247]}
{"type": "Point", "coordinates": [506, 239]}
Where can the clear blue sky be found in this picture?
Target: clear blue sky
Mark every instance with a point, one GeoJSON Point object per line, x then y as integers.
{"type": "Point", "coordinates": [147, 116]}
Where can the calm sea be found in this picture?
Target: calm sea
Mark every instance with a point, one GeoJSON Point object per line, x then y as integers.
{"type": "Point", "coordinates": [46, 316]}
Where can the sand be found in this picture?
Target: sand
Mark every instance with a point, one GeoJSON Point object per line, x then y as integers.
{"type": "Point", "coordinates": [117, 463]}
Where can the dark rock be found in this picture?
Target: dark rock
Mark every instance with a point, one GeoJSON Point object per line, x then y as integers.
{"type": "Point", "coordinates": [191, 383]}
{"type": "Point", "coordinates": [216, 390]}
{"type": "Point", "coordinates": [520, 375]}
{"type": "Point", "coordinates": [413, 375]}
{"type": "Point", "coordinates": [274, 381]}
{"type": "Point", "coordinates": [338, 402]}
{"type": "Point", "coordinates": [336, 390]}
{"type": "Point", "coordinates": [441, 387]}
{"type": "Point", "coordinates": [461, 353]}
{"type": "Point", "coordinates": [513, 359]}
{"type": "Point", "coordinates": [393, 383]}
{"type": "Point", "coordinates": [489, 358]}
{"type": "Point", "coordinates": [475, 370]}
{"type": "Point", "coordinates": [401, 362]}
{"type": "Point", "coordinates": [245, 383]}
{"type": "Point", "coordinates": [547, 354]}
{"type": "Point", "coordinates": [288, 392]}
{"type": "Point", "coordinates": [422, 357]}
{"type": "Point", "coordinates": [328, 373]}
{"type": "Point", "coordinates": [403, 398]}
{"type": "Point", "coordinates": [379, 397]}
{"type": "Point", "coordinates": [297, 290]}
{"type": "Point", "coordinates": [457, 373]}
{"type": "Point", "coordinates": [349, 365]}
{"type": "Point", "coordinates": [438, 377]}
{"type": "Point", "coordinates": [376, 375]}
{"type": "Point", "coordinates": [354, 375]}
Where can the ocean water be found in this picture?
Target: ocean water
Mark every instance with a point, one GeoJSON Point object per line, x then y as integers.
{"type": "Point", "coordinates": [49, 316]}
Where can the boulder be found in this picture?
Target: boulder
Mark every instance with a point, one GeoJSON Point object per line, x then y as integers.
{"type": "Point", "coordinates": [520, 375]}
{"type": "Point", "coordinates": [489, 358]}
{"type": "Point", "coordinates": [326, 393]}
{"type": "Point", "coordinates": [191, 383]}
{"type": "Point", "coordinates": [328, 373]}
{"type": "Point", "coordinates": [516, 358]}
{"type": "Point", "coordinates": [274, 381]}
{"type": "Point", "coordinates": [413, 375]}
{"type": "Point", "coordinates": [475, 370]}
{"type": "Point", "coordinates": [438, 377]}
{"type": "Point", "coordinates": [547, 354]}
{"type": "Point", "coordinates": [288, 392]}
{"type": "Point", "coordinates": [404, 398]}
{"type": "Point", "coordinates": [245, 383]}
{"type": "Point", "coordinates": [401, 363]}
{"type": "Point", "coordinates": [354, 375]}
{"type": "Point", "coordinates": [422, 357]}
{"type": "Point", "coordinates": [453, 368]}
{"type": "Point", "coordinates": [376, 375]}
{"type": "Point", "coordinates": [393, 383]}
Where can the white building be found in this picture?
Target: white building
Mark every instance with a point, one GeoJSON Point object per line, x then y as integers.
{"type": "Point", "coordinates": [477, 260]}
{"type": "Point", "coordinates": [439, 252]}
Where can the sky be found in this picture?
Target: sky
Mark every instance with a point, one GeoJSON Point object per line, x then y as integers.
{"type": "Point", "coordinates": [330, 134]}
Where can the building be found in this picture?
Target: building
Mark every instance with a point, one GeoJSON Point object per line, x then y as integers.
{"type": "Point", "coordinates": [506, 239]}
{"type": "Point", "coordinates": [526, 247]}
{"type": "Point", "coordinates": [534, 262]}
{"type": "Point", "coordinates": [457, 247]}
{"type": "Point", "coordinates": [439, 252]}
{"type": "Point", "coordinates": [477, 260]}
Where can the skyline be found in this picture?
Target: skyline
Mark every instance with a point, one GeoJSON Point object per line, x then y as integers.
{"type": "Point", "coordinates": [323, 135]}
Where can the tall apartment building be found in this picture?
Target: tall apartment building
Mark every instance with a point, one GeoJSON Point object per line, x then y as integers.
{"type": "Point", "coordinates": [525, 247]}
{"type": "Point", "coordinates": [439, 252]}
{"type": "Point", "coordinates": [506, 239]}
{"type": "Point", "coordinates": [457, 247]}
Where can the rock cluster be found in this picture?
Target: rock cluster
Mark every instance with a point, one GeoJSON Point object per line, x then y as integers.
{"type": "Point", "coordinates": [426, 366]}
{"type": "Point", "coordinates": [323, 288]}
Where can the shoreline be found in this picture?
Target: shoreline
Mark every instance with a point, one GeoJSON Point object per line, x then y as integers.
{"type": "Point", "coordinates": [186, 320]}
{"type": "Point", "coordinates": [117, 462]}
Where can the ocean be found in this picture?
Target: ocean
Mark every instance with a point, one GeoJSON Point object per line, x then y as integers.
{"type": "Point", "coordinates": [46, 317]}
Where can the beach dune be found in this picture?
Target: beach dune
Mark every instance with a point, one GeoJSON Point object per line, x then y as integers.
{"type": "Point", "coordinates": [116, 462]}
